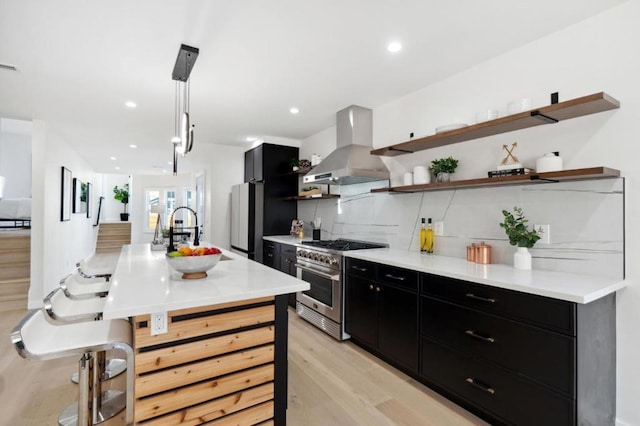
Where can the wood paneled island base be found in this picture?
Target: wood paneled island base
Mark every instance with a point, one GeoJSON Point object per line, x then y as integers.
{"type": "Point", "coordinates": [223, 364]}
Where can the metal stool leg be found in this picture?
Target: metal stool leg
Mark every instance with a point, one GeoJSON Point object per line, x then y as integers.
{"type": "Point", "coordinates": [81, 413]}
{"type": "Point", "coordinates": [113, 368]}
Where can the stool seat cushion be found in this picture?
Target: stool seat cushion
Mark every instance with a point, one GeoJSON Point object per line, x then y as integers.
{"type": "Point", "coordinates": [61, 308]}
{"type": "Point", "coordinates": [42, 340]}
{"type": "Point", "coordinates": [78, 286]}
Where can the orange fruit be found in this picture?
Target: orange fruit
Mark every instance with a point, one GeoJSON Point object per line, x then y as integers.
{"type": "Point", "coordinates": [200, 251]}
{"type": "Point", "coordinates": [186, 251]}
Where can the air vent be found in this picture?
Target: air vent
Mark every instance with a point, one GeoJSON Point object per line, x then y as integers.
{"type": "Point", "coordinates": [8, 67]}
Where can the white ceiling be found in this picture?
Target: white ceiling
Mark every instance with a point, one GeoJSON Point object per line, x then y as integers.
{"type": "Point", "coordinates": [79, 61]}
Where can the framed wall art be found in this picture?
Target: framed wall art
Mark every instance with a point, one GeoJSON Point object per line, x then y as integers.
{"type": "Point", "coordinates": [65, 195]}
{"type": "Point", "coordinates": [89, 199]}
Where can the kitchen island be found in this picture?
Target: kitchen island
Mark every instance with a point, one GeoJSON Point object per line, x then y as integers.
{"type": "Point", "coordinates": [219, 350]}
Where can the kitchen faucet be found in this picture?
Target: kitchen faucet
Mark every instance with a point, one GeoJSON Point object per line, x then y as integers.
{"type": "Point", "coordinates": [196, 238]}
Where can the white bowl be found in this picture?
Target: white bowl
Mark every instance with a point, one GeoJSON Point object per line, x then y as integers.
{"type": "Point", "coordinates": [194, 267]}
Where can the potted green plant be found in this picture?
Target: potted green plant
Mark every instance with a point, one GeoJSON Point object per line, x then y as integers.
{"type": "Point", "coordinates": [122, 195]}
{"type": "Point", "coordinates": [519, 235]}
{"type": "Point", "coordinates": [443, 168]}
{"type": "Point", "coordinates": [295, 164]}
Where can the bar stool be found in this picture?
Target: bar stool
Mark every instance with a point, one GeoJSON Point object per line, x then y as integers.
{"type": "Point", "coordinates": [77, 287]}
{"type": "Point", "coordinates": [36, 339]}
{"type": "Point", "coordinates": [101, 266]}
{"type": "Point", "coordinates": [61, 309]}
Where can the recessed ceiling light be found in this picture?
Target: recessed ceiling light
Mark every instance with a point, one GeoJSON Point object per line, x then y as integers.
{"type": "Point", "coordinates": [294, 110]}
{"type": "Point", "coordinates": [169, 162]}
{"type": "Point", "coordinates": [133, 146]}
{"type": "Point", "coordinates": [117, 168]}
{"type": "Point", "coordinates": [164, 171]}
{"type": "Point", "coordinates": [112, 158]}
{"type": "Point", "coordinates": [130, 104]}
{"type": "Point", "coordinates": [251, 139]}
{"type": "Point", "coordinates": [394, 47]}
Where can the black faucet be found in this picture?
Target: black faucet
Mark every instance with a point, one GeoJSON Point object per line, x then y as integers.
{"type": "Point", "coordinates": [196, 237]}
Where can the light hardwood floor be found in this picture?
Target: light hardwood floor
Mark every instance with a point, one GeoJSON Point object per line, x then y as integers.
{"type": "Point", "coordinates": [330, 384]}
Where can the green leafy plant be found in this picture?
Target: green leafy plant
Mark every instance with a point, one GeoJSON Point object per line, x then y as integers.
{"type": "Point", "coordinates": [294, 162]}
{"type": "Point", "coordinates": [122, 195]}
{"type": "Point", "coordinates": [517, 230]}
{"type": "Point", "coordinates": [444, 165]}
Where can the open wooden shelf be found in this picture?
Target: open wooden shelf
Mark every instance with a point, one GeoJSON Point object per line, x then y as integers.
{"type": "Point", "coordinates": [591, 104]}
{"type": "Point", "coordinates": [311, 197]}
{"type": "Point", "coordinates": [533, 178]}
{"type": "Point", "coordinates": [302, 171]}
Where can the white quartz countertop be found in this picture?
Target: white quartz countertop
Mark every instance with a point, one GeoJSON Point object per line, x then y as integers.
{"type": "Point", "coordinates": [286, 239]}
{"type": "Point", "coordinates": [143, 283]}
{"type": "Point", "coordinates": [558, 285]}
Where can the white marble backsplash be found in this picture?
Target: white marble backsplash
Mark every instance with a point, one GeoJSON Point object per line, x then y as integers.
{"type": "Point", "coordinates": [586, 220]}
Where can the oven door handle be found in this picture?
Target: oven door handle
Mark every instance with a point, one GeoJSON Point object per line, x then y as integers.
{"type": "Point", "coordinates": [321, 274]}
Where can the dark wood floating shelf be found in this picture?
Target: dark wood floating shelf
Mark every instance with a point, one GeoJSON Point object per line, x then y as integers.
{"type": "Point", "coordinates": [309, 198]}
{"type": "Point", "coordinates": [302, 171]}
{"type": "Point", "coordinates": [533, 178]}
{"type": "Point", "coordinates": [553, 113]}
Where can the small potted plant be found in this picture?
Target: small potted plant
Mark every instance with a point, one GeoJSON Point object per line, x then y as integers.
{"type": "Point", "coordinates": [295, 164]}
{"type": "Point", "coordinates": [519, 235]}
{"type": "Point", "coordinates": [443, 168]}
{"type": "Point", "coordinates": [122, 195]}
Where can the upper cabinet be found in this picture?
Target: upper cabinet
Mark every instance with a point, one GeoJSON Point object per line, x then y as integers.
{"type": "Point", "coordinates": [266, 161]}
{"type": "Point", "coordinates": [553, 113]}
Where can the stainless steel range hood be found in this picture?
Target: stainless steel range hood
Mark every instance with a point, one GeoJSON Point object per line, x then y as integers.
{"type": "Point", "coordinates": [352, 161]}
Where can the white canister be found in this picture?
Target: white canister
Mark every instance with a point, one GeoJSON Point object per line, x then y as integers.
{"type": "Point", "coordinates": [421, 175]}
{"type": "Point", "coordinates": [519, 105]}
{"type": "Point", "coordinates": [408, 179]}
{"type": "Point", "coordinates": [549, 162]}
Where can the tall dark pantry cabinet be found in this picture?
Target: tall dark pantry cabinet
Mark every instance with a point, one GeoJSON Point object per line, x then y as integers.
{"type": "Point", "coordinates": [269, 165]}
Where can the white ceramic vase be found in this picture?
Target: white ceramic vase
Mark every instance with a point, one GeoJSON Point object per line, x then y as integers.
{"type": "Point", "coordinates": [522, 259]}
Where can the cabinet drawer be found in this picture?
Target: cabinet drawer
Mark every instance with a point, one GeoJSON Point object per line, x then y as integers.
{"type": "Point", "coordinates": [398, 277]}
{"type": "Point", "coordinates": [545, 312]}
{"type": "Point", "coordinates": [287, 250]}
{"type": "Point", "coordinates": [271, 246]}
{"type": "Point", "coordinates": [512, 399]}
{"type": "Point", "coordinates": [361, 268]}
{"type": "Point", "coordinates": [545, 356]}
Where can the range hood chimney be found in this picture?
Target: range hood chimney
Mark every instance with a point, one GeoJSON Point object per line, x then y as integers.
{"type": "Point", "coordinates": [352, 161]}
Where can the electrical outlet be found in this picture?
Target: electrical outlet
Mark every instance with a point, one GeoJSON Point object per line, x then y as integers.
{"type": "Point", "coordinates": [158, 323]}
{"type": "Point", "coordinates": [545, 233]}
{"type": "Point", "coordinates": [438, 228]}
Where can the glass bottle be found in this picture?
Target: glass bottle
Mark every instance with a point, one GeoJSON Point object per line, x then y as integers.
{"type": "Point", "coordinates": [429, 240]}
{"type": "Point", "coordinates": [423, 238]}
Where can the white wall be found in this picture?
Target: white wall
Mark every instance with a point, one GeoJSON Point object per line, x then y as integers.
{"type": "Point", "coordinates": [111, 208]}
{"type": "Point", "coordinates": [595, 55]}
{"type": "Point", "coordinates": [55, 245]}
{"type": "Point", "coordinates": [15, 157]}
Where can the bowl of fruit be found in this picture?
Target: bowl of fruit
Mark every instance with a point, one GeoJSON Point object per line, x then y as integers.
{"type": "Point", "coordinates": [194, 262]}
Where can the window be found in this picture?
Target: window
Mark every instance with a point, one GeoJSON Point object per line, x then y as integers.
{"type": "Point", "coordinates": [170, 198]}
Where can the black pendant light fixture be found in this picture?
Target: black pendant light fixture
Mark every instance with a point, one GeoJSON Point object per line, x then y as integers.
{"type": "Point", "coordinates": [183, 130]}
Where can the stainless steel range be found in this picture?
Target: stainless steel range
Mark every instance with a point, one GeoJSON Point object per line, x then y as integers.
{"type": "Point", "coordinates": [320, 264]}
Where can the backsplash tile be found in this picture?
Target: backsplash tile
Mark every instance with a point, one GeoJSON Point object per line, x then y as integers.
{"type": "Point", "coordinates": [586, 220]}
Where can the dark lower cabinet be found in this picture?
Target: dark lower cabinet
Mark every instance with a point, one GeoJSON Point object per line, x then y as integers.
{"type": "Point", "coordinates": [506, 397]}
{"type": "Point", "coordinates": [383, 316]}
{"type": "Point", "coordinates": [361, 313]}
{"type": "Point", "coordinates": [283, 258]}
{"type": "Point", "coordinates": [510, 357]}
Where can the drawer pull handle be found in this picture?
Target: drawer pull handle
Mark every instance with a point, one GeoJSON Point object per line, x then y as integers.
{"type": "Point", "coordinates": [370, 286]}
{"type": "Point", "coordinates": [357, 268]}
{"type": "Point", "coordinates": [482, 299]}
{"type": "Point", "coordinates": [270, 255]}
{"type": "Point", "coordinates": [377, 288]}
{"type": "Point", "coordinates": [480, 385]}
{"type": "Point", "coordinates": [393, 277]}
{"type": "Point", "coordinates": [472, 333]}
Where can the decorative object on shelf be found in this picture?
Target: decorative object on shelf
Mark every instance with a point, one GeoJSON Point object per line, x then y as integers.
{"type": "Point", "coordinates": [65, 195]}
{"type": "Point", "coordinates": [122, 195]}
{"type": "Point", "coordinates": [408, 179]}
{"type": "Point", "coordinates": [183, 131]}
{"type": "Point", "coordinates": [486, 115]}
{"type": "Point", "coordinates": [443, 168]}
{"type": "Point", "coordinates": [421, 175]}
{"type": "Point", "coordinates": [315, 160]}
{"type": "Point", "coordinates": [304, 163]}
{"type": "Point", "coordinates": [549, 162]}
{"type": "Point", "coordinates": [310, 191]}
{"type": "Point", "coordinates": [519, 105]}
{"type": "Point", "coordinates": [297, 228]}
{"type": "Point", "coordinates": [519, 235]}
{"type": "Point", "coordinates": [295, 164]}
{"type": "Point", "coordinates": [510, 161]}
{"type": "Point", "coordinates": [510, 172]}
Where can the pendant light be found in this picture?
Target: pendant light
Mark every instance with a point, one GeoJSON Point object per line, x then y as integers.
{"type": "Point", "coordinates": [182, 140]}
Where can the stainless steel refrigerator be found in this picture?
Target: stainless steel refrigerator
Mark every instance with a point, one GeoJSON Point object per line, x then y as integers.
{"type": "Point", "coordinates": [247, 202]}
